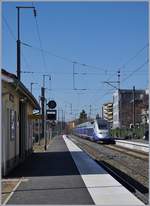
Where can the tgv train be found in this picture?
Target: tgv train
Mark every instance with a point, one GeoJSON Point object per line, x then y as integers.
{"type": "Point", "coordinates": [96, 130]}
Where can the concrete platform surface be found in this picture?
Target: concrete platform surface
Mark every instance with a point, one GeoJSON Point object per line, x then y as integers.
{"type": "Point", "coordinates": [133, 145]}
{"type": "Point", "coordinates": [64, 174]}
{"type": "Point", "coordinates": [103, 188]}
{"type": "Point", "coordinates": [51, 178]}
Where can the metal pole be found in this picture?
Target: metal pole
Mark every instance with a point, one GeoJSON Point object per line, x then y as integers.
{"type": "Point", "coordinates": [39, 123]}
{"type": "Point", "coordinates": [18, 23]}
{"type": "Point", "coordinates": [62, 121]}
{"type": "Point", "coordinates": [43, 110]}
{"type": "Point", "coordinates": [44, 81]}
{"type": "Point", "coordinates": [39, 130]}
{"type": "Point", "coordinates": [18, 40]}
{"type": "Point", "coordinates": [120, 116]}
{"type": "Point", "coordinates": [73, 77]}
{"type": "Point", "coordinates": [133, 106]}
{"type": "Point", "coordinates": [74, 74]}
{"type": "Point", "coordinates": [31, 86]}
{"type": "Point", "coordinates": [58, 125]}
{"type": "Point", "coordinates": [71, 109]}
{"type": "Point", "coordinates": [18, 76]}
{"type": "Point", "coordinates": [45, 125]}
{"type": "Point", "coordinates": [18, 46]}
{"type": "Point", "coordinates": [90, 111]}
{"type": "Point", "coordinates": [118, 79]}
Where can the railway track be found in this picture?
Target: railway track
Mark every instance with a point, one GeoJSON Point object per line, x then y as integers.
{"type": "Point", "coordinates": [128, 151]}
{"type": "Point", "coordinates": [129, 167]}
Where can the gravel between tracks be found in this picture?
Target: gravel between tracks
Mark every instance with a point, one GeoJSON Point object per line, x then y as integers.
{"type": "Point", "coordinates": [134, 167]}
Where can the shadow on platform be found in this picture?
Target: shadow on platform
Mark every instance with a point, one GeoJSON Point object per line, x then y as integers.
{"type": "Point", "coordinates": [48, 164]}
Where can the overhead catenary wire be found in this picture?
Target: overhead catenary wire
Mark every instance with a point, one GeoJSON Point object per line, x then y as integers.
{"type": "Point", "coordinates": [87, 65]}
{"type": "Point", "coordinates": [9, 28]}
{"type": "Point", "coordinates": [39, 38]}
{"type": "Point", "coordinates": [136, 70]}
{"type": "Point", "coordinates": [119, 70]}
{"type": "Point", "coordinates": [133, 57]}
{"type": "Point", "coordinates": [63, 58]}
{"type": "Point", "coordinates": [15, 39]}
{"type": "Point", "coordinates": [103, 95]}
{"type": "Point", "coordinates": [25, 44]}
{"type": "Point", "coordinates": [69, 60]}
{"type": "Point", "coordinates": [130, 75]}
{"type": "Point", "coordinates": [69, 73]}
{"type": "Point", "coordinates": [28, 45]}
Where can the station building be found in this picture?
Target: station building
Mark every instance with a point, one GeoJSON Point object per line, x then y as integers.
{"type": "Point", "coordinates": [17, 108]}
{"type": "Point", "coordinates": [123, 107]}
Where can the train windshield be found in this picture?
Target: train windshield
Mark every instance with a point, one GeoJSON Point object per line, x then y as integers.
{"type": "Point", "coordinates": [102, 125]}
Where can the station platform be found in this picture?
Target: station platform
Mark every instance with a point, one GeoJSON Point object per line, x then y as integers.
{"type": "Point", "coordinates": [135, 145]}
{"type": "Point", "coordinates": [64, 174]}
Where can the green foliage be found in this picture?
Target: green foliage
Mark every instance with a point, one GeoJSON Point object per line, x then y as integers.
{"type": "Point", "coordinates": [82, 117]}
{"type": "Point", "coordinates": [128, 132]}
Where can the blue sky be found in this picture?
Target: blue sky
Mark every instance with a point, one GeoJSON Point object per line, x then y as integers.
{"type": "Point", "coordinates": [103, 36]}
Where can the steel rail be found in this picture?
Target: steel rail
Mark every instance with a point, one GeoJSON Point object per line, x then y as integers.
{"type": "Point", "coordinates": [117, 174]}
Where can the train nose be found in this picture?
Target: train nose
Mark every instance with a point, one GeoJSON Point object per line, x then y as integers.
{"type": "Point", "coordinates": [103, 134]}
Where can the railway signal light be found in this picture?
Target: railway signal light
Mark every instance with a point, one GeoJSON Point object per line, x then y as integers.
{"type": "Point", "coordinates": [51, 104]}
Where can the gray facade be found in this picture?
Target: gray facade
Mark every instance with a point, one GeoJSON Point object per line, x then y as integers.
{"type": "Point", "coordinates": [116, 111]}
{"type": "Point", "coordinates": [123, 104]}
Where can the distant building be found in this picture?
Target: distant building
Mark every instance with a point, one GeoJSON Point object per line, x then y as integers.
{"type": "Point", "coordinates": [107, 112]}
{"type": "Point", "coordinates": [145, 110]}
{"type": "Point", "coordinates": [123, 107]}
{"type": "Point", "coordinates": [17, 108]}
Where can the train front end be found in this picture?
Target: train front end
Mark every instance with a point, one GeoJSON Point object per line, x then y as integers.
{"type": "Point", "coordinates": [102, 132]}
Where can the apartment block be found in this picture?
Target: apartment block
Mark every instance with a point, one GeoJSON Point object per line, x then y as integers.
{"type": "Point", "coordinates": [128, 106]}
{"type": "Point", "coordinates": [107, 112]}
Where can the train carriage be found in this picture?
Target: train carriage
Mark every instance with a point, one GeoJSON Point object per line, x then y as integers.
{"type": "Point", "coordinates": [96, 130]}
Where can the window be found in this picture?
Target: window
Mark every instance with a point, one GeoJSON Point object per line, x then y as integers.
{"type": "Point", "coordinates": [12, 124]}
{"type": "Point", "coordinates": [102, 126]}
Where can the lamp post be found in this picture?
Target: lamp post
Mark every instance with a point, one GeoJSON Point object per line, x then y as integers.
{"type": "Point", "coordinates": [31, 84]}
{"type": "Point", "coordinates": [18, 39]}
{"type": "Point", "coordinates": [133, 106]}
{"type": "Point", "coordinates": [43, 99]}
{"type": "Point", "coordinates": [74, 74]}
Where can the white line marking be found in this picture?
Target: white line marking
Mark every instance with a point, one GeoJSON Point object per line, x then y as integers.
{"type": "Point", "coordinates": [15, 179]}
{"type": "Point", "coordinates": [7, 199]}
{"type": "Point", "coordinates": [102, 187]}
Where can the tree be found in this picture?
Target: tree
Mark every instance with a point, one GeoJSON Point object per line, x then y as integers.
{"type": "Point", "coordinates": [83, 116]}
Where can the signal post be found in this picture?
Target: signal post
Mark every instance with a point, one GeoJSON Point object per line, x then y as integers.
{"type": "Point", "coordinates": [51, 115]}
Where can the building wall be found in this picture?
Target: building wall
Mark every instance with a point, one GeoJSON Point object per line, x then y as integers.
{"type": "Point", "coordinates": [10, 128]}
{"type": "Point", "coordinates": [107, 112]}
{"type": "Point", "coordinates": [10, 131]}
{"type": "Point", "coordinates": [123, 107]}
{"type": "Point", "coordinates": [29, 128]}
{"type": "Point", "coordinates": [116, 121]}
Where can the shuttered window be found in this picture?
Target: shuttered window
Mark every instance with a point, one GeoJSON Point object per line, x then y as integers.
{"type": "Point", "coordinates": [12, 124]}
